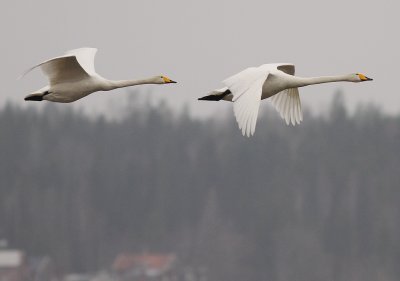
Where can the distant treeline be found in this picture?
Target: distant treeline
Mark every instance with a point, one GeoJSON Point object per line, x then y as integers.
{"type": "Point", "coordinates": [319, 201]}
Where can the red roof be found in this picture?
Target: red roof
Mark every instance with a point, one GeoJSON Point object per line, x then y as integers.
{"type": "Point", "coordinates": [159, 262]}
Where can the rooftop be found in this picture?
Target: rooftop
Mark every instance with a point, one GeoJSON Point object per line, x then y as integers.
{"type": "Point", "coordinates": [153, 264]}
{"type": "Point", "coordinates": [11, 258]}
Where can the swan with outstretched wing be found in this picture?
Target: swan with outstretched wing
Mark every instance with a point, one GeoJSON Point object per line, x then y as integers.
{"type": "Point", "coordinates": [274, 81]}
{"type": "Point", "coordinates": [72, 76]}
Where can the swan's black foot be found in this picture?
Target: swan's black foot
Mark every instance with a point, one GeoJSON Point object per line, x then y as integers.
{"type": "Point", "coordinates": [36, 97]}
{"type": "Point", "coordinates": [216, 96]}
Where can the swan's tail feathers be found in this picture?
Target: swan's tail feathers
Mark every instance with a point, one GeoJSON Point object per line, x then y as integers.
{"type": "Point", "coordinates": [34, 97]}
{"type": "Point", "coordinates": [217, 95]}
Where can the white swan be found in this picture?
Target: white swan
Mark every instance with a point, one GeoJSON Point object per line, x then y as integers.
{"type": "Point", "coordinates": [275, 81]}
{"type": "Point", "coordinates": [72, 77]}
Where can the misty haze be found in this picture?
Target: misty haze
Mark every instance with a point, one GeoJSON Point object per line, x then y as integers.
{"type": "Point", "coordinates": [159, 195]}
{"type": "Point", "coordinates": [148, 183]}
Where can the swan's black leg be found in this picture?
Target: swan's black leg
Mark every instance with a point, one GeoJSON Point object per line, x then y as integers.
{"type": "Point", "coordinates": [216, 97]}
{"type": "Point", "coordinates": [36, 97]}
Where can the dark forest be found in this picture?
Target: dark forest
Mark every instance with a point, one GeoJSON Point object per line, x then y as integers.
{"type": "Point", "coordinates": [319, 201]}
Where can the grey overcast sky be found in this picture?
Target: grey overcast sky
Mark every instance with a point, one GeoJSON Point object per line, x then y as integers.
{"type": "Point", "coordinates": [199, 43]}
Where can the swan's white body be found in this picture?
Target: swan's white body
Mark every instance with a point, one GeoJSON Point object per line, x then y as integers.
{"type": "Point", "coordinates": [275, 81]}
{"type": "Point", "coordinates": [73, 76]}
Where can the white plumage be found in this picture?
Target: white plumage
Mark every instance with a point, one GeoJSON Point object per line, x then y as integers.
{"type": "Point", "coordinates": [72, 76]}
{"type": "Point", "coordinates": [246, 91]}
{"type": "Point", "coordinates": [288, 104]}
{"type": "Point", "coordinates": [275, 81]}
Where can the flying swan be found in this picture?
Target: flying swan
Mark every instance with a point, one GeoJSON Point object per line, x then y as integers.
{"type": "Point", "coordinates": [275, 81]}
{"type": "Point", "coordinates": [72, 77]}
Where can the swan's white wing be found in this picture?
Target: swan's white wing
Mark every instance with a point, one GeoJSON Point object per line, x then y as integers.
{"type": "Point", "coordinates": [246, 88]}
{"type": "Point", "coordinates": [288, 104]}
{"type": "Point", "coordinates": [75, 64]}
{"type": "Point", "coordinates": [40, 64]}
{"type": "Point", "coordinates": [63, 69]}
{"type": "Point", "coordinates": [85, 57]}
{"type": "Point", "coordinates": [239, 83]}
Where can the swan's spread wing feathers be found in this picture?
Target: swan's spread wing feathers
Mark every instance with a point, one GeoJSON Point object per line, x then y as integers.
{"type": "Point", "coordinates": [246, 88]}
{"type": "Point", "coordinates": [239, 83]}
{"type": "Point", "coordinates": [42, 63]}
{"type": "Point", "coordinates": [246, 110]}
{"type": "Point", "coordinates": [63, 69]}
{"type": "Point", "coordinates": [288, 104]}
{"type": "Point", "coordinates": [85, 57]}
{"type": "Point", "coordinates": [80, 60]}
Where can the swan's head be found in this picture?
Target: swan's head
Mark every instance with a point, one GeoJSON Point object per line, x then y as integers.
{"type": "Point", "coordinates": [164, 80]}
{"type": "Point", "coordinates": [358, 77]}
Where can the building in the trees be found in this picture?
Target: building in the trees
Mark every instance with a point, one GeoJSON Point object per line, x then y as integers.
{"type": "Point", "coordinates": [13, 265]}
{"type": "Point", "coordinates": [145, 267]}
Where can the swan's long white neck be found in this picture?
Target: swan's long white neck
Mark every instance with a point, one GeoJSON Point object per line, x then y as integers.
{"type": "Point", "coordinates": [302, 81]}
{"type": "Point", "coordinates": [114, 84]}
